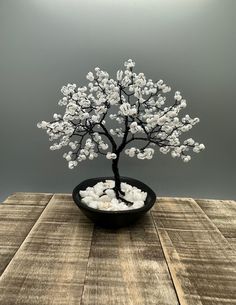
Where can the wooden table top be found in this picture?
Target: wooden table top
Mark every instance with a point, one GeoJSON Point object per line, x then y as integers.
{"type": "Point", "coordinates": [182, 252]}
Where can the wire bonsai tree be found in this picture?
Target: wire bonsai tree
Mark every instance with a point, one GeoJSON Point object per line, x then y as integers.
{"type": "Point", "coordinates": [143, 120]}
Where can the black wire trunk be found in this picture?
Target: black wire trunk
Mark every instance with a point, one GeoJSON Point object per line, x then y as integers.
{"type": "Point", "coordinates": [115, 170]}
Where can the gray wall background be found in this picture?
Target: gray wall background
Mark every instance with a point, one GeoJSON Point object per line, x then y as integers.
{"type": "Point", "coordinates": [45, 44]}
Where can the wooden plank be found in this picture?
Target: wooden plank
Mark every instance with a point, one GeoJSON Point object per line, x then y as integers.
{"type": "Point", "coordinates": [15, 224]}
{"type": "Point", "coordinates": [200, 259]}
{"type": "Point", "coordinates": [127, 266]}
{"type": "Point", "coordinates": [28, 199]}
{"type": "Point", "coordinates": [223, 214]}
{"type": "Point", "coordinates": [50, 266]}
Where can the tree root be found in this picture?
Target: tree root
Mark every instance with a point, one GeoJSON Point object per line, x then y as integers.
{"type": "Point", "coordinates": [118, 192]}
{"type": "Point", "coordinates": [127, 202]}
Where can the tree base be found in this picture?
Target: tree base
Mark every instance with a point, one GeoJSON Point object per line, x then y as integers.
{"type": "Point", "coordinates": [114, 218]}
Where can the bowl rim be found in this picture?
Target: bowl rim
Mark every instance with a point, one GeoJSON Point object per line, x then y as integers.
{"type": "Point", "coordinates": [82, 205]}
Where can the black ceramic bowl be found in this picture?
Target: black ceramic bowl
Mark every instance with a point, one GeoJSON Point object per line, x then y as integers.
{"type": "Point", "coordinates": [113, 219]}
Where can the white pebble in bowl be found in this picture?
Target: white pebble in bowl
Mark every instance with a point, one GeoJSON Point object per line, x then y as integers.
{"type": "Point", "coordinates": [102, 196]}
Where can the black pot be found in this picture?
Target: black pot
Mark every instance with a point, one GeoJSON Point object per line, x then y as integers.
{"type": "Point", "coordinates": [113, 219]}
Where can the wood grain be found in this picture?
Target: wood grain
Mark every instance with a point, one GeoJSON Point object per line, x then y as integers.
{"type": "Point", "coordinates": [15, 223]}
{"type": "Point", "coordinates": [50, 266]}
{"type": "Point", "coordinates": [51, 254]}
{"type": "Point", "coordinates": [28, 199]}
{"type": "Point", "coordinates": [223, 214]}
{"type": "Point", "coordinates": [127, 266]}
{"type": "Point", "coordinates": [201, 261]}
